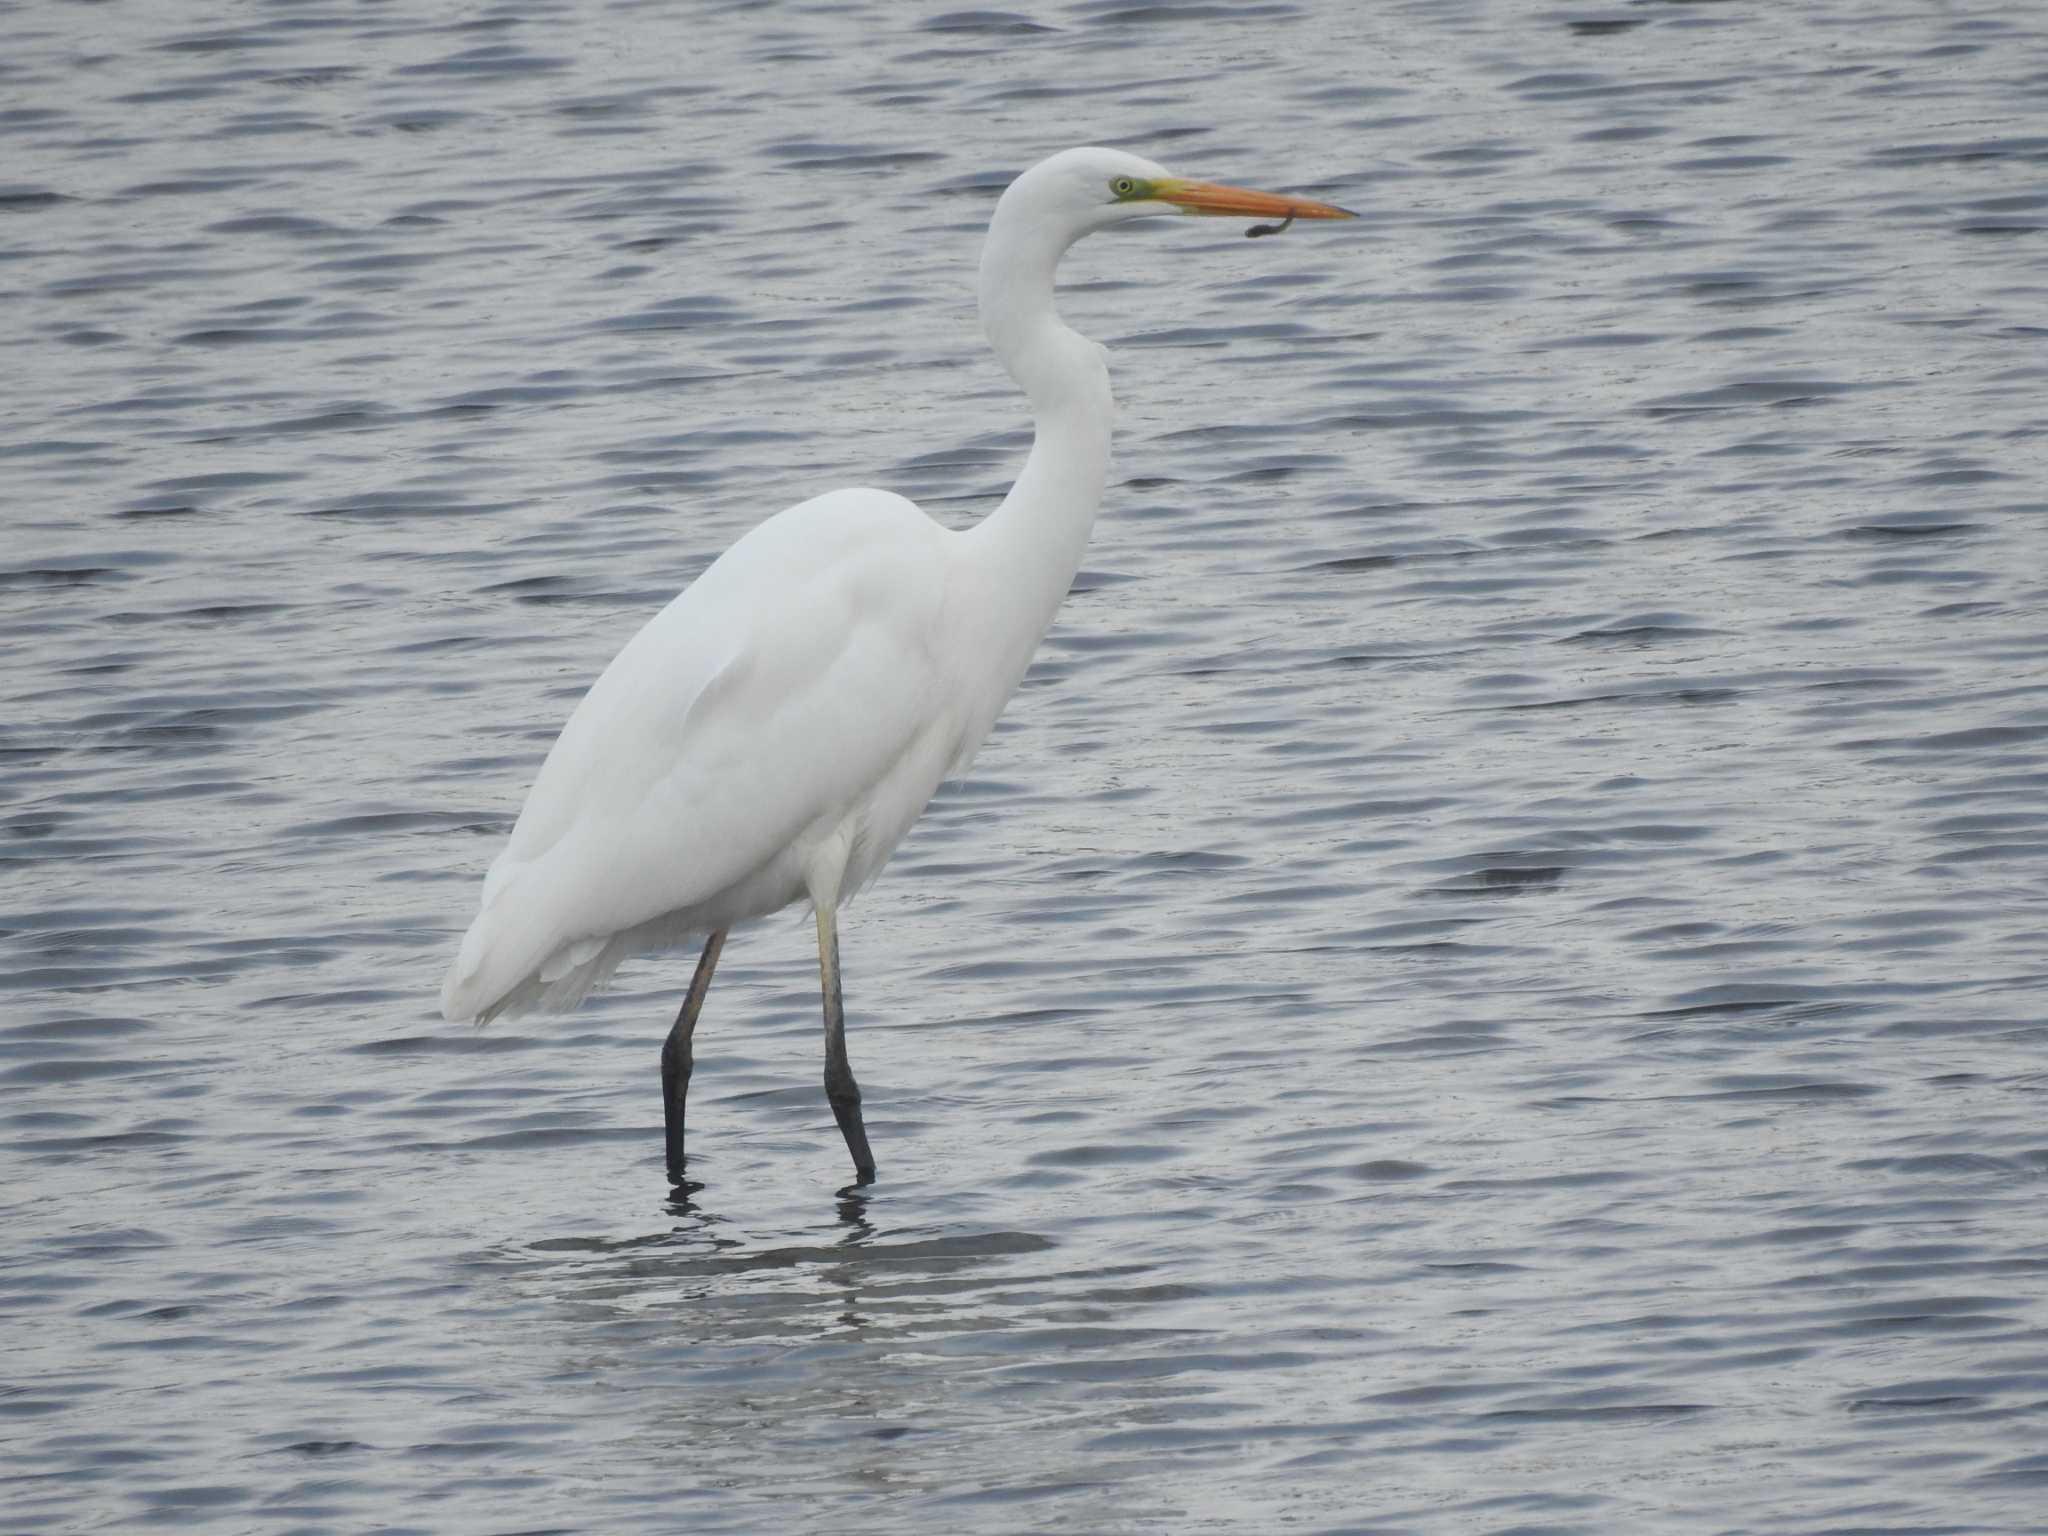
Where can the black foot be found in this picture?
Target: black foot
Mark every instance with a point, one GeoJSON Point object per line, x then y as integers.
{"type": "Point", "coordinates": [678, 1164]}
{"type": "Point", "coordinates": [847, 1112]}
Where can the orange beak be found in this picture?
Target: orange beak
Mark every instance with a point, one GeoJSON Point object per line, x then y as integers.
{"type": "Point", "coordinates": [1241, 202]}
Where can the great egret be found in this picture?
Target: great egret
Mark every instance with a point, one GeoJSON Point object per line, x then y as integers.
{"type": "Point", "coordinates": [772, 733]}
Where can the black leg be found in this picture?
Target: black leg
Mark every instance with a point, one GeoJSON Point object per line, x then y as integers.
{"type": "Point", "coordinates": [676, 1059]}
{"type": "Point", "coordinates": [840, 1088]}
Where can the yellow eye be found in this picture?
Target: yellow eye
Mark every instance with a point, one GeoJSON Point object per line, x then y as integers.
{"type": "Point", "coordinates": [1123, 186]}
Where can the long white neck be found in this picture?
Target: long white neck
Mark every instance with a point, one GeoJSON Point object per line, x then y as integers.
{"type": "Point", "coordinates": [1032, 544]}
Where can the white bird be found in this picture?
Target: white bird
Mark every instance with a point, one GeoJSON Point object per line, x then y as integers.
{"type": "Point", "coordinates": [770, 735]}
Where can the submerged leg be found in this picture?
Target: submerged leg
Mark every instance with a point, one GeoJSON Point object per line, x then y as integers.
{"type": "Point", "coordinates": [840, 1087]}
{"type": "Point", "coordinates": [676, 1059]}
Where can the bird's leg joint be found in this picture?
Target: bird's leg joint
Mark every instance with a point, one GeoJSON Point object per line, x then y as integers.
{"type": "Point", "coordinates": [840, 1088]}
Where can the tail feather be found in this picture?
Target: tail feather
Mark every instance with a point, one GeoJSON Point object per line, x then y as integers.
{"type": "Point", "coordinates": [555, 988]}
{"type": "Point", "coordinates": [501, 956]}
{"type": "Point", "coordinates": [514, 961]}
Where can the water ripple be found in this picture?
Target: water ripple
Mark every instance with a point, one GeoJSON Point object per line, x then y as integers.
{"type": "Point", "coordinates": [1486, 981]}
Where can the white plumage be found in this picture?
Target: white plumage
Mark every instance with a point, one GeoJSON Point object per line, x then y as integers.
{"type": "Point", "coordinates": [772, 734]}
{"type": "Point", "coordinates": [769, 735]}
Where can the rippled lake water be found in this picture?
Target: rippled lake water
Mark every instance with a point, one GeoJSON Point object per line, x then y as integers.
{"type": "Point", "coordinates": [1490, 979]}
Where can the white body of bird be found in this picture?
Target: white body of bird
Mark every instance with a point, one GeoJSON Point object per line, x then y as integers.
{"type": "Point", "coordinates": [768, 736]}
{"type": "Point", "coordinates": [772, 734]}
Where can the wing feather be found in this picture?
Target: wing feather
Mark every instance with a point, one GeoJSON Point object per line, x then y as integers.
{"type": "Point", "coordinates": [774, 692]}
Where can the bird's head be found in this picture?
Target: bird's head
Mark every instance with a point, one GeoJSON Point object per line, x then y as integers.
{"type": "Point", "coordinates": [1079, 191]}
{"type": "Point", "coordinates": [1075, 193]}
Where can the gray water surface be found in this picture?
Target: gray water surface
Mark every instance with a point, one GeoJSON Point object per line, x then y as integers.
{"type": "Point", "coordinates": [1489, 980]}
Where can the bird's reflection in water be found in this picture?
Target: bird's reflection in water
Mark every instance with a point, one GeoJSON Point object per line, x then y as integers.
{"type": "Point", "coordinates": [682, 1201]}
{"type": "Point", "coordinates": [751, 1317]}
{"type": "Point", "coordinates": [693, 1220]}
{"type": "Point", "coordinates": [728, 1264]}
{"type": "Point", "coordinates": [853, 1215]}
{"type": "Point", "coordinates": [736, 1281]}
{"type": "Point", "coordinates": [695, 1224]}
